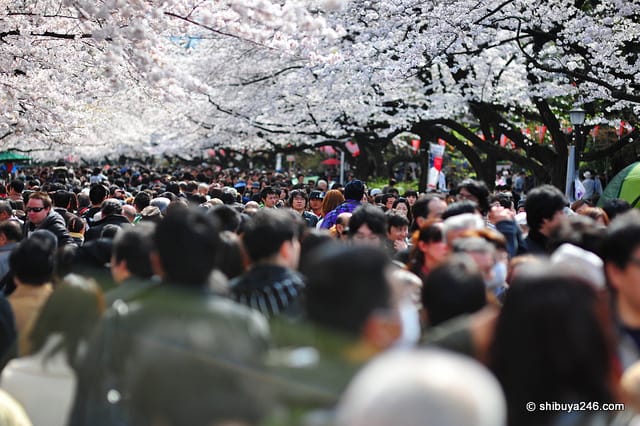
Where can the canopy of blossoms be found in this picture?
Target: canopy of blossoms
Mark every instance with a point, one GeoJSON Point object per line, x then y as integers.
{"type": "Point", "coordinates": [150, 77]}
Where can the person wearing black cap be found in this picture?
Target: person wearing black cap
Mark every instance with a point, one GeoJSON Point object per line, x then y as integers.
{"type": "Point", "coordinates": [353, 193]}
{"type": "Point", "coordinates": [315, 202]}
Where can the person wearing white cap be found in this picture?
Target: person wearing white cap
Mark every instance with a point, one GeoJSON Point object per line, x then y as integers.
{"type": "Point", "coordinates": [589, 186]}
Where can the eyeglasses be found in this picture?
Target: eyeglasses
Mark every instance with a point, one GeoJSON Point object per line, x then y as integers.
{"type": "Point", "coordinates": [465, 196]}
{"type": "Point", "coordinates": [35, 209]}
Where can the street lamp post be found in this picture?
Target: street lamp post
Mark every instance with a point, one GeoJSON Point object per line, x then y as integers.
{"type": "Point", "coordinates": [577, 116]}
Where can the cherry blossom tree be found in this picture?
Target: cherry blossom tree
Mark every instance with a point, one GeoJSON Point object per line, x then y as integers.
{"type": "Point", "coordinates": [145, 77]}
{"type": "Point", "coordinates": [494, 68]}
{"type": "Point", "coordinates": [103, 76]}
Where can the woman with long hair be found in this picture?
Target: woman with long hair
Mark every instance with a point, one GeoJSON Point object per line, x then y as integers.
{"type": "Point", "coordinates": [401, 206]}
{"type": "Point", "coordinates": [553, 344]}
{"type": "Point", "coordinates": [332, 199]}
{"type": "Point", "coordinates": [429, 248]}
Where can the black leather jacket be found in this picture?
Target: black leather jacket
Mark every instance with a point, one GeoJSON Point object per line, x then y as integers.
{"type": "Point", "coordinates": [54, 223]}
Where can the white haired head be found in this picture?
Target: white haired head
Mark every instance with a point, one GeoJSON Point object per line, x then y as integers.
{"type": "Point", "coordinates": [423, 387]}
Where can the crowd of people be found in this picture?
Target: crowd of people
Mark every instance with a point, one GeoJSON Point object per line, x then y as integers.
{"type": "Point", "coordinates": [133, 296]}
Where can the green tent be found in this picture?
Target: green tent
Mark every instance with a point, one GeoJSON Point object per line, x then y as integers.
{"type": "Point", "coordinates": [13, 157]}
{"type": "Point", "coordinates": [625, 185]}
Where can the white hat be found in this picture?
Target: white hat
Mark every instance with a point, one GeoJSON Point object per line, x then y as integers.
{"type": "Point", "coordinates": [587, 174]}
{"type": "Point", "coordinates": [583, 263]}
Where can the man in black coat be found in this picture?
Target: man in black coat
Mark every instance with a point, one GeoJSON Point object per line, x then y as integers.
{"type": "Point", "coordinates": [40, 215]}
{"type": "Point", "coordinates": [111, 214]}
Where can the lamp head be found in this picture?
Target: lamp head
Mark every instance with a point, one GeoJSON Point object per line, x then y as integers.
{"type": "Point", "coordinates": [577, 115]}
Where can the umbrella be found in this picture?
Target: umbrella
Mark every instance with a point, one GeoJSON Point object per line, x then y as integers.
{"type": "Point", "coordinates": [625, 185]}
{"type": "Point", "coordinates": [331, 162]}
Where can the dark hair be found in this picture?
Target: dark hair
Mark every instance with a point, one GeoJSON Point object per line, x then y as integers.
{"type": "Point", "coordinates": [354, 190]}
{"type": "Point", "coordinates": [230, 258]}
{"type": "Point", "coordinates": [61, 198]}
{"type": "Point", "coordinates": [421, 206]}
{"type": "Point", "coordinates": [550, 324]}
{"type": "Point", "coordinates": [83, 201]}
{"type": "Point", "coordinates": [345, 286]}
{"type": "Point", "coordinates": [615, 207]}
{"type": "Point", "coordinates": [312, 240]}
{"type": "Point", "coordinates": [267, 190]}
{"type": "Point", "coordinates": [400, 200]}
{"type": "Point", "coordinates": [543, 202]}
{"type": "Point", "coordinates": [395, 219]}
{"type": "Point", "coordinates": [297, 193]}
{"type": "Point", "coordinates": [17, 185]}
{"type": "Point", "coordinates": [134, 245]}
{"type": "Point", "coordinates": [502, 198]}
{"type": "Point", "coordinates": [187, 242]}
{"type": "Point", "coordinates": [453, 288]}
{"type": "Point", "coordinates": [72, 310]}
{"type": "Point", "coordinates": [266, 231]}
{"type": "Point", "coordinates": [622, 239]}
{"type": "Point", "coordinates": [76, 223]}
{"type": "Point", "coordinates": [109, 230]}
{"type": "Point", "coordinates": [228, 196]}
{"type": "Point", "coordinates": [141, 200]}
{"type": "Point", "coordinates": [98, 193]}
{"type": "Point", "coordinates": [459, 207]}
{"type": "Point", "coordinates": [478, 189]}
{"type": "Point", "coordinates": [228, 217]}
{"type": "Point", "coordinates": [168, 195]}
{"type": "Point", "coordinates": [11, 230]}
{"type": "Point", "coordinates": [428, 233]}
{"type": "Point", "coordinates": [33, 261]}
{"type": "Point", "coordinates": [172, 187]}
{"type": "Point", "coordinates": [370, 215]}
{"type": "Point", "coordinates": [191, 186]}
{"type": "Point", "coordinates": [385, 197]}
{"type": "Point", "coordinates": [581, 231]}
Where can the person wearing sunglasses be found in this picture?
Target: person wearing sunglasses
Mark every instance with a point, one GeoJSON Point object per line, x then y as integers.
{"type": "Point", "coordinates": [40, 215]}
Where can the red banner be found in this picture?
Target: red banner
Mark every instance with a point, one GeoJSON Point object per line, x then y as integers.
{"type": "Point", "coordinates": [541, 131]}
{"type": "Point", "coordinates": [415, 144]}
{"type": "Point", "coordinates": [327, 149]}
{"type": "Point", "coordinates": [353, 148]}
{"type": "Point", "coordinates": [437, 163]}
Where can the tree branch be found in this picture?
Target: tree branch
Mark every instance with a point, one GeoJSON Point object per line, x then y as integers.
{"type": "Point", "coordinates": [612, 149]}
{"type": "Point", "coordinates": [616, 92]}
{"type": "Point", "coordinates": [266, 77]}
